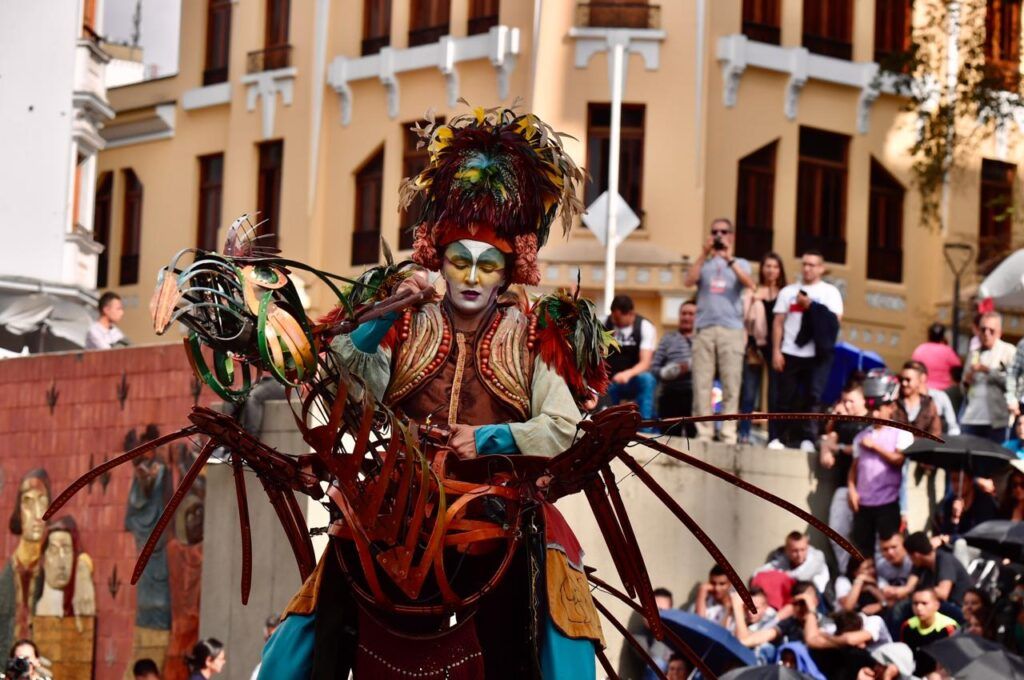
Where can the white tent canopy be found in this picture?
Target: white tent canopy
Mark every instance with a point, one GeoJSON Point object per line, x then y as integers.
{"type": "Point", "coordinates": [1005, 285]}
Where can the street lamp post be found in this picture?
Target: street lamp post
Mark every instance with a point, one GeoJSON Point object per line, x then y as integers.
{"type": "Point", "coordinates": [958, 256]}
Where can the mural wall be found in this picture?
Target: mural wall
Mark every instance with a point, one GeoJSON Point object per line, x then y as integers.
{"type": "Point", "coordinates": [65, 583]}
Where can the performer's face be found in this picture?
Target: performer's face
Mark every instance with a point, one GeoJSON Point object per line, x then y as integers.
{"type": "Point", "coordinates": [474, 272]}
{"type": "Point", "coordinates": [58, 559]}
{"type": "Point", "coordinates": [34, 501]}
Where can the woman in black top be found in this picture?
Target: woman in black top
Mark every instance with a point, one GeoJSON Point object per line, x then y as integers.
{"type": "Point", "coordinates": [758, 320]}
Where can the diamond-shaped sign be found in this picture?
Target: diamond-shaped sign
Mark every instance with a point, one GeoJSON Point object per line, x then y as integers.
{"type": "Point", "coordinates": [596, 219]}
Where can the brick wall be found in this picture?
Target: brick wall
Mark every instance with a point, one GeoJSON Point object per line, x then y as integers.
{"type": "Point", "coordinates": [87, 425]}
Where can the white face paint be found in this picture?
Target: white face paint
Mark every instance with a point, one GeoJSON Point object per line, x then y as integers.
{"type": "Point", "coordinates": [474, 272]}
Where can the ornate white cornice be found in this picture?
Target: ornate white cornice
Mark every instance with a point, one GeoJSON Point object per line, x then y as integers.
{"type": "Point", "coordinates": [500, 46]}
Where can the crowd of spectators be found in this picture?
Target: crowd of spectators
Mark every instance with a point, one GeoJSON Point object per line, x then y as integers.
{"type": "Point", "coordinates": [770, 344]}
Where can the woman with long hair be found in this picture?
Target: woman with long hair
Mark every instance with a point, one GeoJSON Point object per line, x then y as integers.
{"type": "Point", "coordinates": [1012, 505]}
{"type": "Point", "coordinates": [758, 318]}
{"type": "Point", "coordinates": [206, 660]}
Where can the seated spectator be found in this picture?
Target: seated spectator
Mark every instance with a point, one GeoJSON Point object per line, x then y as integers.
{"type": "Point", "coordinates": [965, 507]}
{"type": "Point", "coordinates": [796, 656]}
{"type": "Point", "coordinates": [893, 661]}
{"type": "Point", "coordinates": [841, 655]}
{"type": "Point", "coordinates": [677, 669]}
{"type": "Point", "coordinates": [894, 568]}
{"type": "Point", "coordinates": [799, 560]}
{"type": "Point", "coordinates": [914, 406]}
{"type": "Point", "coordinates": [1012, 506]}
{"type": "Point", "coordinates": [748, 624]}
{"type": "Point", "coordinates": [938, 356]}
{"type": "Point", "coordinates": [877, 471]}
{"type": "Point", "coordinates": [926, 626]}
{"type": "Point", "coordinates": [860, 591]}
{"type": "Point", "coordinates": [1016, 441]}
{"type": "Point", "coordinates": [936, 569]}
{"type": "Point", "coordinates": [671, 364]}
{"type": "Point", "coordinates": [835, 456]}
{"type": "Point", "coordinates": [713, 602]}
{"type": "Point", "coordinates": [631, 664]}
{"type": "Point", "coordinates": [977, 604]}
{"type": "Point", "coordinates": [146, 669]}
{"type": "Point", "coordinates": [629, 367]}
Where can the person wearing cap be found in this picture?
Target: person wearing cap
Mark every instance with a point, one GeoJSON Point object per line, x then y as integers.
{"type": "Point", "coordinates": [877, 471]}
{"type": "Point", "coordinates": [496, 375]}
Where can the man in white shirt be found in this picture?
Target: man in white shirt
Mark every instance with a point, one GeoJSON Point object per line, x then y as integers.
{"type": "Point", "coordinates": [629, 366]}
{"type": "Point", "coordinates": [804, 367]}
{"type": "Point", "coordinates": [104, 333]}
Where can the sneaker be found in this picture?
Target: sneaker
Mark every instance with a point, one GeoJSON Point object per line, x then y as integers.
{"type": "Point", "coordinates": [775, 445]}
{"type": "Point", "coordinates": [807, 446]}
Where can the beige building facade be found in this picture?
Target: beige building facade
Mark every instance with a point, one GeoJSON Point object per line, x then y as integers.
{"type": "Point", "coordinates": [767, 112]}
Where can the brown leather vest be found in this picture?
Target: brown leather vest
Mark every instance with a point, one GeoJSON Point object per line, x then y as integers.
{"type": "Point", "coordinates": [473, 378]}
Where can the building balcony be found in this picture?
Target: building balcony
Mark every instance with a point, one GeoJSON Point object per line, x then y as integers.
{"type": "Point", "coordinates": [90, 68]}
{"type": "Point", "coordinates": [765, 33]}
{"type": "Point", "coordinates": [617, 15]}
{"type": "Point", "coordinates": [269, 59]}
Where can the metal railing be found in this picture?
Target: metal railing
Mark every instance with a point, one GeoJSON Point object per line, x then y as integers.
{"type": "Point", "coordinates": [428, 35]}
{"type": "Point", "coordinates": [829, 47]}
{"type": "Point", "coordinates": [374, 45]}
{"type": "Point", "coordinates": [268, 59]}
{"type": "Point", "coordinates": [482, 24]}
{"type": "Point", "coordinates": [617, 15]}
{"type": "Point", "coordinates": [765, 33]}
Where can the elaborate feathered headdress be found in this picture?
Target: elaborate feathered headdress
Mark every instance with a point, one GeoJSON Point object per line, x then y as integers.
{"type": "Point", "coordinates": [494, 176]}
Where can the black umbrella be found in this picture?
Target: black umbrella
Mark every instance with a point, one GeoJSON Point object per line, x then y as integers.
{"type": "Point", "coordinates": [970, 657]}
{"type": "Point", "coordinates": [1001, 537]}
{"type": "Point", "coordinates": [980, 457]}
{"type": "Point", "coordinates": [765, 673]}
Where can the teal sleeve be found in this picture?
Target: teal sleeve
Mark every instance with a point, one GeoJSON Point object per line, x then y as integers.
{"type": "Point", "coordinates": [288, 654]}
{"type": "Point", "coordinates": [367, 337]}
{"type": "Point", "coordinates": [491, 439]}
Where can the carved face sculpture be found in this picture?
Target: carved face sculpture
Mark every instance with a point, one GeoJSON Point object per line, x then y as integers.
{"type": "Point", "coordinates": [58, 559]}
{"type": "Point", "coordinates": [34, 501]}
{"type": "Point", "coordinates": [474, 272]}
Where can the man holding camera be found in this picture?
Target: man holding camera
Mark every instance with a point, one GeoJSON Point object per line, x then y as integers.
{"type": "Point", "coordinates": [721, 339]}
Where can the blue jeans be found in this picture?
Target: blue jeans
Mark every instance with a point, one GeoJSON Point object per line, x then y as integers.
{"type": "Point", "coordinates": [639, 389]}
{"type": "Point", "coordinates": [750, 396]}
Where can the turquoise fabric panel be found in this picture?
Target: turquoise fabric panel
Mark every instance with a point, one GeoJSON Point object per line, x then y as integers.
{"type": "Point", "coordinates": [491, 439]}
{"type": "Point", "coordinates": [563, 658]}
{"type": "Point", "coordinates": [288, 654]}
{"type": "Point", "coordinates": [367, 337]}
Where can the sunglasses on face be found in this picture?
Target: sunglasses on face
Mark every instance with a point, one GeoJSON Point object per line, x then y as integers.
{"type": "Point", "coordinates": [719, 232]}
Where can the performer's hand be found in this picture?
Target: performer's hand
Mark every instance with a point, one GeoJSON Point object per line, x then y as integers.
{"type": "Point", "coordinates": [463, 441]}
{"type": "Point", "coordinates": [419, 281]}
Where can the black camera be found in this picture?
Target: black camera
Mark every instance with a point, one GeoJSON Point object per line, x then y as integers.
{"type": "Point", "coordinates": [18, 668]}
{"type": "Point", "coordinates": [718, 244]}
